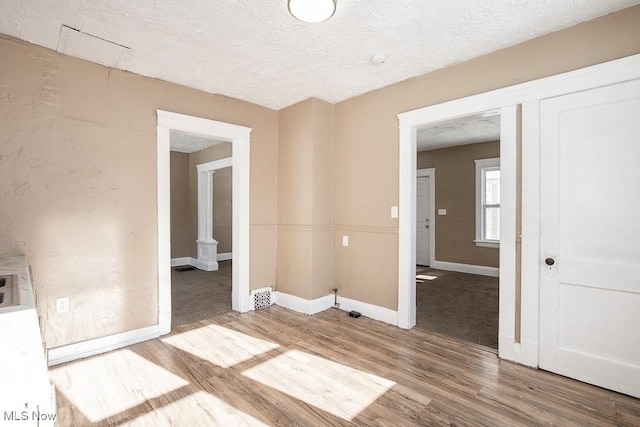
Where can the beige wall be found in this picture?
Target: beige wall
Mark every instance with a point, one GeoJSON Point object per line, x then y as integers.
{"type": "Point", "coordinates": [304, 199]}
{"type": "Point", "coordinates": [179, 204]}
{"type": "Point", "coordinates": [455, 179]}
{"type": "Point", "coordinates": [78, 194]}
{"type": "Point", "coordinates": [222, 209]}
{"type": "Point", "coordinates": [365, 162]}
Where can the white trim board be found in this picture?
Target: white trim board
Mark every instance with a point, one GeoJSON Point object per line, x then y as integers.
{"type": "Point", "coordinates": [67, 353]}
{"type": "Point", "coordinates": [466, 268]}
{"type": "Point", "coordinates": [371, 311]}
{"type": "Point", "coordinates": [524, 353]}
{"type": "Point", "coordinates": [176, 262]}
{"type": "Point", "coordinates": [318, 305]}
{"type": "Point", "coordinates": [239, 136]}
{"type": "Point", "coordinates": [529, 95]}
{"type": "Point", "coordinates": [302, 305]}
{"type": "Point", "coordinates": [215, 165]}
{"type": "Point", "coordinates": [225, 256]}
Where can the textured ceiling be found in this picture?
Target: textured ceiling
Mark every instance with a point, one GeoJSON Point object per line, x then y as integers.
{"type": "Point", "coordinates": [188, 143]}
{"type": "Point", "coordinates": [460, 131]}
{"type": "Point", "coordinates": [255, 51]}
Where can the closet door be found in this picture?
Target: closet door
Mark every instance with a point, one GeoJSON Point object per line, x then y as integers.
{"type": "Point", "coordinates": [590, 236]}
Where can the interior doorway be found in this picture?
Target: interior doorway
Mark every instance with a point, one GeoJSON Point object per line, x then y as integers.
{"type": "Point", "coordinates": [239, 137]}
{"type": "Point", "coordinates": [201, 228]}
{"type": "Point", "coordinates": [458, 226]}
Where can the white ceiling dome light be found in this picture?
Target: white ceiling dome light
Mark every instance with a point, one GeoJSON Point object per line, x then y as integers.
{"type": "Point", "coordinates": [312, 10]}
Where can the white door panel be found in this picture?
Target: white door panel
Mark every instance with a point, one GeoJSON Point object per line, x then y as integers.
{"type": "Point", "coordinates": [423, 226]}
{"type": "Point", "coordinates": [590, 229]}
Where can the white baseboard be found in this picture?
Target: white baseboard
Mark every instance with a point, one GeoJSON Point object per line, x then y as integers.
{"type": "Point", "coordinates": [225, 256]}
{"type": "Point", "coordinates": [177, 262]}
{"type": "Point", "coordinates": [523, 353]}
{"type": "Point", "coordinates": [302, 305]}
{"type": "Point", "coordinates": [369, 310]}
{"type": "Point", "coordinates": [317, 305]}
{"type": "Point", "coordinates": [322, 304]}
{"type": "Point", "coordinates": [67, 353]}
{"type": "Point", "coordinates": [466, 268]}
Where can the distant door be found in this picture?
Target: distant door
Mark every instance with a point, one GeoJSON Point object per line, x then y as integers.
{"type": "Point", "coordinates": [423, 230]}
{"type": "Point", "coordinates": [590, 236]}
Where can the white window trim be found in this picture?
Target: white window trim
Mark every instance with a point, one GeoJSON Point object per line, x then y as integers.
{"type": "Point", "coordinates": [481, 165]}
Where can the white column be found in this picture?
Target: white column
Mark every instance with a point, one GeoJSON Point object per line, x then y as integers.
{"type": "Point", "coordinates": [209, 207]}
{"type": "Point", "coordinates": [207, 245]}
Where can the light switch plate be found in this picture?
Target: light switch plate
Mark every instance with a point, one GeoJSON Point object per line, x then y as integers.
{"type": "Point", "coordinates": [442, 211]}
{"type": "Point", "coordinates": [345, 240]}
{"type": "Point", "coordinates": [394, 212]}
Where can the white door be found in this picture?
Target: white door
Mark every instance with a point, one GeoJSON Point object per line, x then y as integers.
{"type": "Point", "coordinates": [590, 236]}
{"type": "Point", "coordinates": [422, 221]}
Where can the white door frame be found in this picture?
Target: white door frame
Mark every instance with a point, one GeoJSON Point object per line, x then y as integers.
{"type": "Point", "coordinates": [431, 174]}
{"type": "Point", "coordinates": [529, 95]}
{"type": "Point", "coordinates": [239, 136]}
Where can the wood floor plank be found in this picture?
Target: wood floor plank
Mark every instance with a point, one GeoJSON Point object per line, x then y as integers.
{"type": "Point", "coordinates": [537, 410]}
{"type": "Point", "coordinates": [276, 367]}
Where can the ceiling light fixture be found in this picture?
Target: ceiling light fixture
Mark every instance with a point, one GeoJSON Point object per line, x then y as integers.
{"type": "Point", "coordinates": [312, 10]}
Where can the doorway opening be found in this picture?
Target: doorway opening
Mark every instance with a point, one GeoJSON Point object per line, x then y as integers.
{"type": "Point", "coordinates": [410, 123]}
{"type": "Point", "coordinates": [201, 228]}
{"type": "Point", "coordinates": [239, 139]}
{"type": "Point", "coordinates": [458, 227]}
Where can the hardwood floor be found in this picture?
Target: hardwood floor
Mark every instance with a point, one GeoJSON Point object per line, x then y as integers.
{"type": "Point", "coordinates": [277, 367]}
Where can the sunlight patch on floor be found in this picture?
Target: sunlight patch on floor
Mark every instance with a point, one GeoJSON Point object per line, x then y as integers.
{"type": "Point", "coordinates": [118, 381]}
{"type": "Point", "coordinates": [426, 277]}
{"type": "Point", "coordinates": [219, 345]}
{"type": "Point", "coordinates": [198, 409]}
{"type": "Point", "coordinates": [338, 389]}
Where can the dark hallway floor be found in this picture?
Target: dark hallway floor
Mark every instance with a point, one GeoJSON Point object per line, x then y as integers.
{"type": "Point", "coordinates": [198, 295]}
{"type": "Point", "coordinates": [460, 305]}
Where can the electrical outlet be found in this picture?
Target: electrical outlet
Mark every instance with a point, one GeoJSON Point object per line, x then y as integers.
{"type": "Point", "coordinates": [62, 305]}
{"type": "Point", "coordinates": [345, 240]}
{"type": "Point", "coordinates": [394, 212]}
